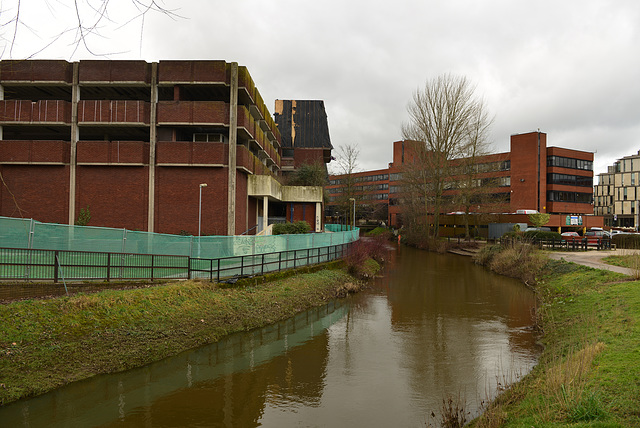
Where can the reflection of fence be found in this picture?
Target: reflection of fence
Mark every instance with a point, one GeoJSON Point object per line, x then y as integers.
{"type": "Point", "coordinates": [56, 265]}
{"type": "Point", "coordinates": [31, 234]}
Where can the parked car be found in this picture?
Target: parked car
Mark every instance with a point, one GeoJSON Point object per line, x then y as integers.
{"type": "Point", "coordinates": [594, 236]}
{"type": "Point", "coordinates": [570, 236]}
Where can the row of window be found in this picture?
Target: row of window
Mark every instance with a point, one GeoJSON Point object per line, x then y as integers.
{"type": "Point", "coordinates": [558, 196]}
{"type": "Point", "coordinates": [569, 180]}
{"type": "Point", "coordinates": [572, 163]}
{"type": "Point", "coordinates": [366, 197]}
{"type": "Point", "coordinates": [360, 179]}
{"type": "Point", "coordinates": [369, 188]}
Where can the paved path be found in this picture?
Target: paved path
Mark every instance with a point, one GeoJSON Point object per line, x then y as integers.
{"type": "Point", "coordinates": [593, 258]}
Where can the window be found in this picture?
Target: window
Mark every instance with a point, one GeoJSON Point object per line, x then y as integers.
{"type": "Point", "coordinates": [569, 163]}
{"type": "Point", "coordinates": [209, 138]}
{"type": "Point", "coordinates": [559, 196]}
{"type": "Point", "coordinates": [569, 180]}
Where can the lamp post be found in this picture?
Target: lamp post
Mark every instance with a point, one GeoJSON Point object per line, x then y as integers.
{"type": "Point", "coordinates": [200, 208]}
{"type": "Point", "coordinates": [353, 218]}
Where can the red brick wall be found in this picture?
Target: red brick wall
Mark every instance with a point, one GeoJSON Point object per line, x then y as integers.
{"type": "Point", "coordinates": [192, 153]}
{"type": "Point", "coordinates": [307, 156]}
{"type": "Point", "coordinates": [41, 111]}
{"type": "Point", "coordinates": [113, 111]}
{"type": "Point", "coordinates": [213, 112]}
{"type": "Point", "coordinates": [114, 71]}
{"type": "Point", "coordinates": [252, 215]}
{"type": "Point", "coordinates": [177, 194]}
{"type": "Point", "coordinates": [113, 152]}
{"type": "Point", "coordinates": [116, 196]}
{"type": "Point", "coordinates": [302, 212]}
{"type": "Point", "coordinates": [524, 171]}
{"type": "Point", "coordinates": [36, 71]}
{"type": "Point", "coordinates": [193, 71]}
{"type": "Point", "coordinates": [34, 151]}
{"type": "Point", "coordinates": [41, 192]}
{"type": "Point", "coordinates": [242, 217]}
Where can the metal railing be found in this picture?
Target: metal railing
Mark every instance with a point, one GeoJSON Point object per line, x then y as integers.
{"type": "Point", "coordinates": [581, 244]}
{"type": "Point", "coordinates": [59, 265]}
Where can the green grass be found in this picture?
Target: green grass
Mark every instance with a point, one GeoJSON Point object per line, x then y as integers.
{"type": "Point", "coordinates": [47, 343]}
{"type": "Point", "coordinates": [588, 374]}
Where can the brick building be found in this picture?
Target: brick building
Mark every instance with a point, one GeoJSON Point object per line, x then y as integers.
{"type": "Point", "coordinates": [133, 141]}
{"type": "Point", "coordinates": [531, 176]}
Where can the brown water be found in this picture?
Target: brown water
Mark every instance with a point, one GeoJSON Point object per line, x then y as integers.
{"type": "Point", "coordinates": [434, 324]}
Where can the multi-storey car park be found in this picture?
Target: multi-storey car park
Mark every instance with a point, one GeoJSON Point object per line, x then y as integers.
{"type": "Point", "coordinates": [135, 143]}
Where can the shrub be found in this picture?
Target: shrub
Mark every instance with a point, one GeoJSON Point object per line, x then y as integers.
{"type": "Point", "coordinates": [361, 253]}
{"type": "Point", "coordinates": [541, 235]}
{"type": "Point", "coordinates": [627, 241]}
{"type": "Point", "coordinates": [517, 260]}
{"type": "Point", "coordinates": [382, 232]}
{"type": "Point", "coordinates": [291, 228]}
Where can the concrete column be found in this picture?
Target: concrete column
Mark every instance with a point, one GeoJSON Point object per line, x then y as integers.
{"type": "Point", "coordinates": [75, 98]}
{"type": "Point", "coordinates": [233, 141]}
{"type": "Point", "coordinates": [151, 210]}
{"type": "Point", "coordinates": [318, 217]}
{"type": "Point", "coordinates": [265, 213]}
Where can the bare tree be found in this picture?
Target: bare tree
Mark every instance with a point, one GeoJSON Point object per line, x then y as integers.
{"type": "Point", "coordinates": [89, 20]}
{"type": "Point", "coordinates": [471, 190]}
{"type": "Point", "coordinates": [347, 165]}
{"type": "Point", "coordinates": [442, 117]}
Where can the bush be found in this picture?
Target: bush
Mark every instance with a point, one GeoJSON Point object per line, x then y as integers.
{"type": "Point", "coordinates": [541, 235]}
{"type": "Point", "coordinates": [627, 241]}
{"type": "Point", "coordinates": [291, 228]}
{"type": "Point", "coordinates": [382, 232]}
{"type": "Point", "coordinates": [518, 260]}
{"type": "Point", "coordinates": [362, 253]}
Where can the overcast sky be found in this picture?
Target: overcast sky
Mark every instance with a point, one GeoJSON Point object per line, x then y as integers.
{"type": "Point", "coordinates": [569, 68]}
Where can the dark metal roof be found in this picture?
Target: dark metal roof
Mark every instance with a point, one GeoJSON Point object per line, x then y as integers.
{"type": "Point", "coordinates": [308, 119]}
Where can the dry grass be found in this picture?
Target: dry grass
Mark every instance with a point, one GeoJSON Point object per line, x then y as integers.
{"type": "Point", "coordinates": [565, 383]}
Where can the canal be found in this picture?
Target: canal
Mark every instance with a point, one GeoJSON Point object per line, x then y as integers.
{"type": "Point", "coordinates": [431, 325]}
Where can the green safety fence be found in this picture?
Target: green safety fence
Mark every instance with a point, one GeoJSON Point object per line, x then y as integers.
{"type": "Point", "coordinates": [32, 234]}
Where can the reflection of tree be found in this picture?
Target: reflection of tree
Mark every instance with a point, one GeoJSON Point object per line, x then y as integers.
{"type": "Point", "coordinates": [457, 324]}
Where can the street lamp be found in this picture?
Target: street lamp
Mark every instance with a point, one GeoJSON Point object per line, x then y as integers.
{"type": "Point", "coordinates": [200, 207]}
{"type": "Point", "coordinates": [353, 219]}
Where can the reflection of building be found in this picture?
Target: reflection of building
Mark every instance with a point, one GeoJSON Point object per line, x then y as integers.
{"type": "Point", "coordinates": [531, 176]}
{"type": "Point", "coordinates": [617, 194]}
{"type": "Point", "coordinates": [133, 141]}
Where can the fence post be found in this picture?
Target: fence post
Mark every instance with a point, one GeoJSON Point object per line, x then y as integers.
{"type": "Point", "coordinates": [218, 273]}
{"type": "Point", "coordinates": [262, 266]}
{"type": "Point", "coordinates": [189, 266]}
{"type": "Point", "coordinates": [279, 261]}
{"type": "Point", "coordinates": [108, 267]}
{"type": "Point", "coordinates": [55, 267]}
{"type": "Point", "coordinates": [152, 265]}
{"type": "Point", "coordinates": [211, 269]}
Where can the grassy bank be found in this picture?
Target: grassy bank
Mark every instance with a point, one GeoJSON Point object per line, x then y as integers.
{"type": "Point", "coordinates": [588, 374]}
{"type": "Point", "coordinates": [47, 343]}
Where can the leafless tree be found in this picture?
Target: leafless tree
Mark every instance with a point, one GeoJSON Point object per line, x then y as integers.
{"type": "Point", "coordinates": [471, 190]}
{"type": "Point", "coordinates": [91, 20]}
{"type": "Point", "coordinates": [347, 166]}
{"type": "Point", "coordinates": [444, 118]}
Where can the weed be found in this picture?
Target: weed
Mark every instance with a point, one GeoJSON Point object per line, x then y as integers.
{"type": "Point", "coordinates": [453, 414]}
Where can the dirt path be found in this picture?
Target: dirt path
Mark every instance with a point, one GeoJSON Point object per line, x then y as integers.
{"type": "Point", "coordinates": [593, 258]}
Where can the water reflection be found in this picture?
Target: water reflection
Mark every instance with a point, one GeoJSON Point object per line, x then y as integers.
{"type": "Point", "coordinates": [434, 324]}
